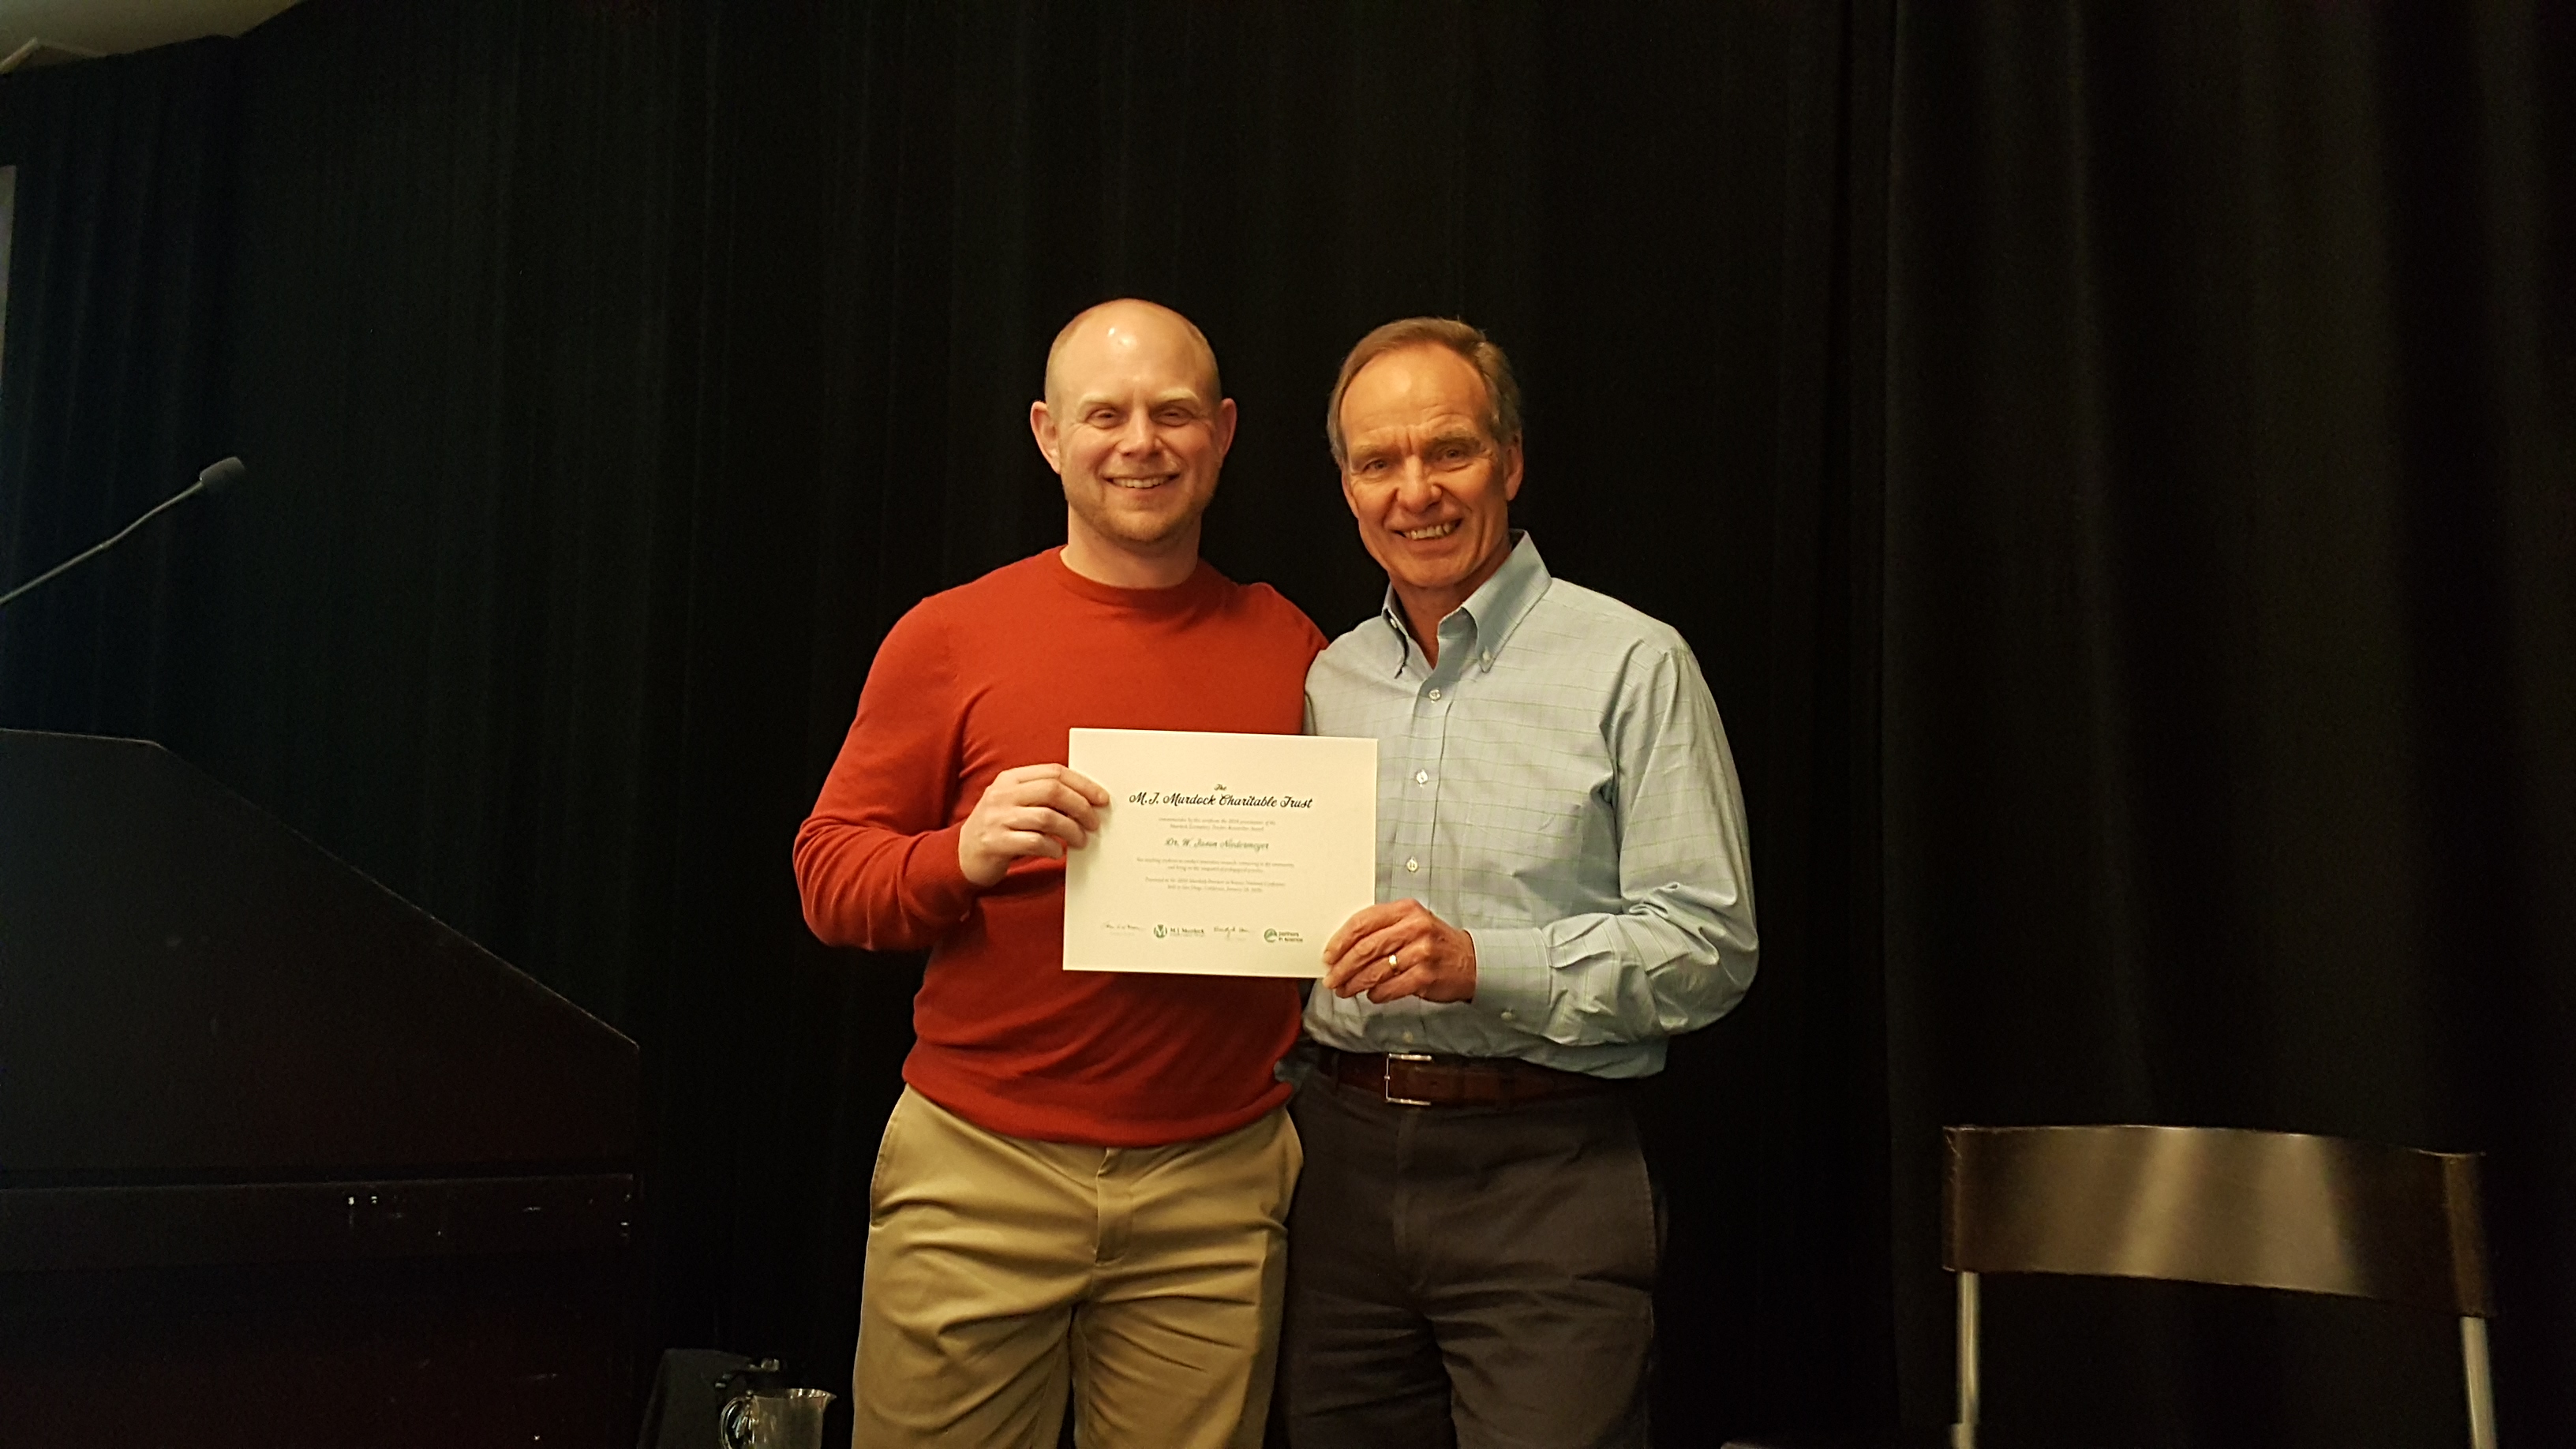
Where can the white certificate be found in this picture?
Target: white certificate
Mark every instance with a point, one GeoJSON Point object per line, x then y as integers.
{"type": "Point", "coordinates": [1220, 855]}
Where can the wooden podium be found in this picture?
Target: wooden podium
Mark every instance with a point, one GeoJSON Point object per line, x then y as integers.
{"type": "Point", "coordinates": [284, 1161]}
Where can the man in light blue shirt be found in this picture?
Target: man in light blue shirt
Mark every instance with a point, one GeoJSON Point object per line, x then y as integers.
{"type": "Point", "coordinates": [1563, 885]}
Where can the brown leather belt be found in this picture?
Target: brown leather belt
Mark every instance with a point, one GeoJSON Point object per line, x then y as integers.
{"type": "Point", "coordinates": [1419, 1079]}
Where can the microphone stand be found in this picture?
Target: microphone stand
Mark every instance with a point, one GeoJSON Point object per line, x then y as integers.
{"type": "Point", "coordinates": [216, 476]}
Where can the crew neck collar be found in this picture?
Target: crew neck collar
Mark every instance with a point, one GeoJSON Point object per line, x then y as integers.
{"type": "Point", "coordinates": [1203, 580]}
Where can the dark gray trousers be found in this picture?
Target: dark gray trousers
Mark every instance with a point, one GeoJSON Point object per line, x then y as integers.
{"type": "Point", "coordinates": [1468, 1276]}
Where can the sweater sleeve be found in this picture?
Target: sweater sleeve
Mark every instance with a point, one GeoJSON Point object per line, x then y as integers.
{"type": "Point", "coordinates": [876, 862]}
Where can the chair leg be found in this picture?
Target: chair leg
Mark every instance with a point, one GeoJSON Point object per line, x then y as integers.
{"type": "Point", "coordinates": [2473, 1356]}
{"type": "Point", "coordinates": [1963, 1434]}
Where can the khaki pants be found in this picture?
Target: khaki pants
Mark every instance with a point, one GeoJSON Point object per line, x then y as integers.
{"type": "Point", "coordinates": [1002, 1270]}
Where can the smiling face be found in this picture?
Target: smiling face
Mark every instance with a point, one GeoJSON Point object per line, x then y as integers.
{"type": "Point", "coordinates": [1431, 488]}
{"type": "Point", "coordinates": [1133, 425]}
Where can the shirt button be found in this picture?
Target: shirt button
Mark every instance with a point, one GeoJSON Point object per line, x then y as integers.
{"type": "Point", "coordinates": [1408, 1038]}
{"type": "Point", "coordinates": [1507, 1016]}
{"type": "Point", "coordinates": [1422, 777]}
{"type": "Point", "coordinates": [1435, 694]}
{"type": "Point", "coordinates": [1413, 865]}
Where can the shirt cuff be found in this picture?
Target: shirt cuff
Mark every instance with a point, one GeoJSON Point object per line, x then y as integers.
{"type": "Point", "coordinates": [934, 885]}
{"type": "Point", "coordinates": [1513, 978]}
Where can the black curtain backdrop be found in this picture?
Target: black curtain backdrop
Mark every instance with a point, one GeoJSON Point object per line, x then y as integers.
{"type": "Point", "coordinates": [109, 390]}
{"type": "Point", "coordinates": [2229, 577]}
{"type": "Point", "coordinates": [2114, 463]}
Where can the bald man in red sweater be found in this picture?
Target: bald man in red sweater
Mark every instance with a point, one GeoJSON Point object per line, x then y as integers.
{"type": "Point", "coordinates": [1086, 1180]}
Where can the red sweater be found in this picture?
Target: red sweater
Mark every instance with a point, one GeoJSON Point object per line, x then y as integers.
{"type": "Point", "coordinates": [989, 676]}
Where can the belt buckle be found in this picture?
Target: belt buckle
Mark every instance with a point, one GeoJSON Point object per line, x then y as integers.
{"type": "Point", "coordinates": [1386, 1078]}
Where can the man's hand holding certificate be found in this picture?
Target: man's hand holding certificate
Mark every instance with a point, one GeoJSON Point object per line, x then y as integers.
{"type": "Point", "coordinates": [1220, 854]}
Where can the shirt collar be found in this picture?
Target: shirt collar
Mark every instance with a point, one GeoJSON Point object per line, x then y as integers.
{"type": "Point", "coordinates": [1493, 611]}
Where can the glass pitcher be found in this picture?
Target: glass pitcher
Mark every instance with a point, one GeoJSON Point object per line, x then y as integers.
{"type": "Point", "coordinates": [774, 1419]}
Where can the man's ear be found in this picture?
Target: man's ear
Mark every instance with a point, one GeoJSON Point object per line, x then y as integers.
{"type": "Point", "coordinates": [1043, 428]}
{"type": "Point", "coordinates": [1512, 471]}
{"type": "Point", "coordinates": [1224, 426]}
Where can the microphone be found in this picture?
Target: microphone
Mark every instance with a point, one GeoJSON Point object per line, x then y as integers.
{"type": "Point", "coordinates": [220, 475]}
{"type": "Point", "coordinates": [216, 477]}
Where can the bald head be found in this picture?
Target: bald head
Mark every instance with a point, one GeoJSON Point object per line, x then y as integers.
{"type": "Point", "coordinates": [1136, 425]}
{"type": "Point", "coordinates": [1113, 334]}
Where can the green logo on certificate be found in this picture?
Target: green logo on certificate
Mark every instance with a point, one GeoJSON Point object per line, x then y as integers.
{"type": "Point", "coordinates": [1158, 932]}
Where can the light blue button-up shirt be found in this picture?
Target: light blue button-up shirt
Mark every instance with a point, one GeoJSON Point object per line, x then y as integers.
{"type": "Point", "coordinates": [1559, 786]}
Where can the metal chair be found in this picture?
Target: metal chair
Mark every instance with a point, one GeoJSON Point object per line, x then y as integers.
{"type": "Point", "coordinates": [2214, 1205]}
